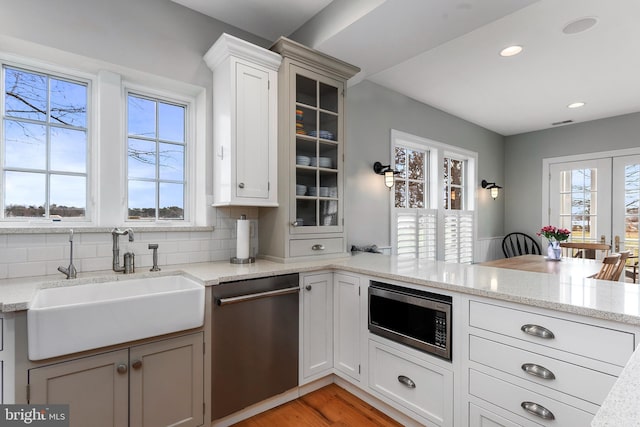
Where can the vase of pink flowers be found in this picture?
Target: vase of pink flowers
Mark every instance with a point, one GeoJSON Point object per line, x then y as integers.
{"type": "Point", "coordinates": [554, 235]}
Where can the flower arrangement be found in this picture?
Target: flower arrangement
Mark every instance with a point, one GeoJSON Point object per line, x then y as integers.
{"type": "Point", "coordinates": [554, 234]}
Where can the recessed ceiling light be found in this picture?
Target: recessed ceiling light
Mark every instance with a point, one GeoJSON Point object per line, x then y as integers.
{"type": "Point", "coordinates": [580, 25]}
{"type": "Point", "coordinates": [576, 104]}
{"type": "Point", "coordinates": [511, 50]}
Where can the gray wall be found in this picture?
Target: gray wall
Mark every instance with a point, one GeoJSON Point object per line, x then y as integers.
{"type": "Point", "coordinates": [372, 111]}
{"type": "Point", "coordinates": [524, 154]}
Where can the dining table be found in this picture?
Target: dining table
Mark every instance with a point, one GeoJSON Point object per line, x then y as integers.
{"type": "Point", "coordinates": [570, 267]}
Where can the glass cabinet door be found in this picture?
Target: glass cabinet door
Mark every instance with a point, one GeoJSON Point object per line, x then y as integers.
{"type": "Point", "coordinates": [318, 154]}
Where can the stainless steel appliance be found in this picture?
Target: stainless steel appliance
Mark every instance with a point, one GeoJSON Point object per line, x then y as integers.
{"type": "Point", "coordinates": [254, 341]}
{"type": "Point", "coordinates": [416, 318]}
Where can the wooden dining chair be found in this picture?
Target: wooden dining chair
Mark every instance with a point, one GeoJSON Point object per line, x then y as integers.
{"type": "Point", "coordinates": [609, 267]}
{"type": "Point", "coordinates": [624, 255]}
{"type": "Point", "coordinates": [585, 249]}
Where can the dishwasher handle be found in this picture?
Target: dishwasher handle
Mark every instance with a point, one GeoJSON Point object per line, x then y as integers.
{"type": "Point", "coordinates": [250, 297]}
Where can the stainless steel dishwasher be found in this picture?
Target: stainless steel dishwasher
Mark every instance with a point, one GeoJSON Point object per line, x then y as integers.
{"type": "Point", "coordinates": [254, 341]}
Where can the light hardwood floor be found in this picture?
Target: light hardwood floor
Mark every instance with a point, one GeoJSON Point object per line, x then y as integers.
{"type": "Point", "coordinates": [328, 406]}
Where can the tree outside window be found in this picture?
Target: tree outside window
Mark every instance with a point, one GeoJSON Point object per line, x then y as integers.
{"type": "Point", "coordinates": [155, 158]}
{"type": "Point", "coordinates": [44, 147]}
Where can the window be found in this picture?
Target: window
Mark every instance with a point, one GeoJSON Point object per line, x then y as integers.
{"type": "Point", "coordinates": [156, 143]}
{"type": "Point", "coordinates": [44, 146]}
{"type": "Point", "coordinates": [433, 215]}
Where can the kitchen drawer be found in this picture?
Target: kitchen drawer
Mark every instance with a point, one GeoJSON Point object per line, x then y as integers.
{"type": "Point", "coordinates": [577, 381]}
{"type": "Point", "coordinates": [422, 387]}
{"type": "Point", "coordinates": [480, 417]}
{"type": "Point", "coordinates": [311, 247]}
{"type": "Point", "coordinates": [511, 398]}
{"type": "Point", "coordinates": [595, 342]}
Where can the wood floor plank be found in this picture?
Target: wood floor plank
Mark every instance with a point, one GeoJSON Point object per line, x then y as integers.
{"type": "Point", "coordinates": [330, 406]}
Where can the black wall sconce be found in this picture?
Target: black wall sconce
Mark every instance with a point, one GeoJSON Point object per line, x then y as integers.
{"type": "Point", "coordinates": [492, 187]}
{"type": "Point", "coordinates": [389, 178]}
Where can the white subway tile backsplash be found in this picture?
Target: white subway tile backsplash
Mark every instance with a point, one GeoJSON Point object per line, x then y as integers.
{"type": "Point", "coordinates": [27, 269]}
{"type": "Point", "coordinates": [44, 253]}
{"type": "Point", "coordinates": [11, 255]}
{"type": "Point", "coordinates": [35, 254]}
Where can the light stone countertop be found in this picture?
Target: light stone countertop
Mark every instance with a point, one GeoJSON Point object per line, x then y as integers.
{"type": "Point", "coordinates": [621, 407]}
{"type": "Point", "coordinates": [614, 301]}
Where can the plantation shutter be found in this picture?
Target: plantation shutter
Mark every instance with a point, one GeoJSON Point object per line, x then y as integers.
{"type": "Point", "coordinates": [458, 236]}
{"type": "Point", "coordinates": [416, 233]}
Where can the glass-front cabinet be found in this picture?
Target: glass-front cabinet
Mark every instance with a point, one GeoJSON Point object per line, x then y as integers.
{"type": "Point", "coordinates": [318, 153]}
{"type": "Point", "coordinates": [308, 222]}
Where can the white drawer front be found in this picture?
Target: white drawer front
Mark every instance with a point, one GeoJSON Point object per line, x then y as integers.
{"type": "Point", "coordinates": [392, 373]}
{"type": "Point", "coordinates": [311, 247]}
{"type": "Point", "coordinates": [575, 380]}
{"type": "Point", "coordinates": [480, 417]}
{"type": "Point", "coordinates": [511, 397]}
{"type": "Point", "coordinates": [607, 345]}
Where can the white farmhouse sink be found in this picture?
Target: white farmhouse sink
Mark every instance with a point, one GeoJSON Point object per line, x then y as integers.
{"type": "Point", "coordinates": [76, 318]}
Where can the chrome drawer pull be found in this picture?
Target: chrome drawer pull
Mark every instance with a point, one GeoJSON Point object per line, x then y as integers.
{"type": "Point", "coordinates": [538, 410]}
{"type": "Point", "coordinates": [317, 247]}
{"type": "Point", "coordinates": [538, 371]}
{"type": "Point", "coordinates": [406, 381]}
{"type": "Point", "coordinates": [537, 331]}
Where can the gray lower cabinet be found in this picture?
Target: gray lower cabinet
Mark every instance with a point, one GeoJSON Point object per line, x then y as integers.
{"type": "Point", "coordinates": [155, 384]}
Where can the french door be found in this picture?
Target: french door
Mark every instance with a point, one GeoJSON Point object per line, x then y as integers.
{"type": "Point", "coordinates": [597, 199]}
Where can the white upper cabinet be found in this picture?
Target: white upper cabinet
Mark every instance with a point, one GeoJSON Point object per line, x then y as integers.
{"type": "Point", "coordinates": [245, 107]}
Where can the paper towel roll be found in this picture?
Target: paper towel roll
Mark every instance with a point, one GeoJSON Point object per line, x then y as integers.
{"type": "Point", "coordinates": [242, 238]}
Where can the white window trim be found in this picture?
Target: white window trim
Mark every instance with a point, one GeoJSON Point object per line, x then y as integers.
{"type": "Point", "coordinates": [28, 64]}
{"type": "Point", "coordinates": [189, 146]}
{"type": "Point", "coordinates": [437, 151]}
{"type": "Point", "coordinates": [106, 203]}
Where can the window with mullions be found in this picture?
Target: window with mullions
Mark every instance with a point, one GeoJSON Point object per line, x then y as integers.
{"type": "Point", "coordinates": [156, 143]}
{"type": "Point", "coordinates": [44, 146]}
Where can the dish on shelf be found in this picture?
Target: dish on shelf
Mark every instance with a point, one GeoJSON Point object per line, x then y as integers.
{"type": "Point", "coordinates": [303, 160]}
{"type": "Point", "coordinates": [324, 134]}
{"type": "Point", "coordinates": [333, 191]}
{"type": "Point", "coordinates": [312, 191]}
{"type": "Point", "coordinates": [325, 162]}
{"type": "Point", "coordinates": [324, 192]}
{"type": "Point", "coordinates": [301, 190]}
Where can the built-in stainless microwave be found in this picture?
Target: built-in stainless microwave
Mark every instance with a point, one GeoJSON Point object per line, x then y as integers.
{"type": "Point", "coordinates": [416, 318]}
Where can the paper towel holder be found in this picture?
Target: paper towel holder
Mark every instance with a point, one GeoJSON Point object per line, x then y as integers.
{"type": "Point", "coordinates": [235, 259]}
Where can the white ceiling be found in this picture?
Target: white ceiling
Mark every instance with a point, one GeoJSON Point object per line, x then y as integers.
{"type": "Point", "coordinates": [268, 19]}
{"type": "Point", "coordinates": [445, 52]}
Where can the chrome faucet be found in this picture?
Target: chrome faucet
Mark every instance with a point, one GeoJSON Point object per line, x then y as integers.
{"type": "Point", "coordinates": [129, 264]}
{"type": "Point", "coordinates": [70, 271]}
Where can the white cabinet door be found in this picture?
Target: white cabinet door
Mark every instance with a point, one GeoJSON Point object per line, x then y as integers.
{"type": "Point", "coordinates": [253, 145]}
{"type": "Point", "coordinates": [347, 327]}
{"type": "Point", "coordinates": [317, 326]}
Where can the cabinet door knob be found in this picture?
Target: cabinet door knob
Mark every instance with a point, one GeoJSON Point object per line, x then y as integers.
{"type": "Point", "coordinates": [538, 371]}
{"type": "Point", "coordinates": [538, 410]}
{"type": "Point", "coordinates": [404, 380]}
{"type": "Point", "coordinates": [122, 368]}
{"type": "Point", "coordinates": [296, 223]}
{"type": "Point", "coordinates": [241, 185]}
{"type": "Point", "coordinates": [308, 287]}
{"type": "Point", "coordinates": [317, 247]}
{"type": "Point", "coordinates": [537, 331]}
{"type": "Point", "coordinates": [137, 364]}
